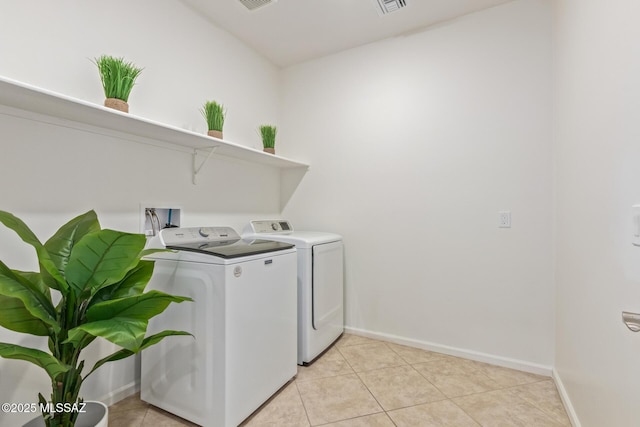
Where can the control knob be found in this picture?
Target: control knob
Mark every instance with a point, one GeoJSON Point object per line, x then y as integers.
{"type": "Point", "coordinates": [274, 226]}
{"type": "Point", "coordinates": [204, 232]}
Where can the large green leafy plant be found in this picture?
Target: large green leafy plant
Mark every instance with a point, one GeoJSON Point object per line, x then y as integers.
{"type": "Point", "coordinates": [99, 277]}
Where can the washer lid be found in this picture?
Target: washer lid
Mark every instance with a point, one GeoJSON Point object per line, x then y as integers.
{"type": "Point", "coordinates": [232, 248]}
{"type": "Point", "coordinates": [222, 242]}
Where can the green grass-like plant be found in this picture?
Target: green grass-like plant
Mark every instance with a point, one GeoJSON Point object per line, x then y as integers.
{"type": "Point", "coordinates": [118, 76]}
{"type": "Point", "coordinates": [214, 114]}
{"type": "Point", "coordinates": [268, 134]}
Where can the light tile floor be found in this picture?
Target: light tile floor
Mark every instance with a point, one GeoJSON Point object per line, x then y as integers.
{"type": "Point", "coordinates": [364, 382]}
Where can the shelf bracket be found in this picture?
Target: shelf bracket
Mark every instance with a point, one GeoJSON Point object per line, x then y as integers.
{"type": "Point", "coordinates": [196, 168]}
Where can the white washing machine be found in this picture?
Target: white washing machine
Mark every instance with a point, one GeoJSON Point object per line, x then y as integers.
{"type": "Point", "coordinates": [320, 283]}
{"type": "Point", "coordinates": [243, 319]}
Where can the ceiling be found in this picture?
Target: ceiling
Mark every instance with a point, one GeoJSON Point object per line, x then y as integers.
{"type": "Point", "coordinates": [292, 31]}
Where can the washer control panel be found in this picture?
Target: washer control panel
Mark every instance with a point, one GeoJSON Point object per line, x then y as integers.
{"type": "Point", "coordinates": [175, 236]}
{"type": "Point", "coordinates": [271, 226]}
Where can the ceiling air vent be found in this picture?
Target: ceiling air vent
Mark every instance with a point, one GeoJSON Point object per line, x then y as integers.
{"type": "Point", "coordinates": [388, 6]}
{"type": "Point", "coordinates": [255, 4]}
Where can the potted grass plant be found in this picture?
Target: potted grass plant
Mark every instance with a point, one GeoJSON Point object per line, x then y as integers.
{"type": "Point", "coordinates": [118, 78]}
{"type": "Point", "coordinates": [90, 284]}
{"type": "Point", "coordinates": [268, 134]}
{"type": "Point", "coordinates": [214, 114]}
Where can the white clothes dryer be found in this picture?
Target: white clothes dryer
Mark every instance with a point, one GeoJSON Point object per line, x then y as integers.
{"type": "Point", "coordinates": [243, 319]}
{"type": "Point", "coordinates": [320, 283]}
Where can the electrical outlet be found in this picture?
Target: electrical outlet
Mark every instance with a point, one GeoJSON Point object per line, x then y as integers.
{"type": "Point", "coordinates": [504, 219]}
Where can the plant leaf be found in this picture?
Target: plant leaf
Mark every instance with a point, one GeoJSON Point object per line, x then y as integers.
{"type": "Point", "coordinates": [35, 279]}
{"type": "Point", "coordinates": [214, 114]}
{"type": "Point", "coordinates": [125, 332]}
{"type": "Point", "coordinates": [123, 321]}
{"type": "Point", "coordinates": [133, 284]}
{"type": "Point", "coordinates": [59, 246]}
{"type": "Point", "coordinates": [44, 360]}
{"type": "Point", "coordinates": [147, 342]}
{"type": "Point", "coordinates": [268, 134]}
{"type": "Point", "coordinates": [142, 307]}
{"type": "Point", "coordinates": [101, 259]}
{"type": "Point", "coordinates": [118, 76]}
{"type": "Point", "coordinates": [13, 310]}
{"type": "Point", "coordinates": [14, 316]}
{"type": "Point", "coordinates": [27, 236]}
{"type": "Point", "coordinates": [38, 304]}
{"type": "Point", "coordinates": [147, 252]}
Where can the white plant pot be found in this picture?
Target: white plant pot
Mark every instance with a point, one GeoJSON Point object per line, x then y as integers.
{"type": "Point", "coordinates": [96, 415]}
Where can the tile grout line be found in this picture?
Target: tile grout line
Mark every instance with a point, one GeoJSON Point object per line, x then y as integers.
{"type": "Point", "coordinates": [365, 386]}
{"type": "Point", "coordinates": [386, 412]}
{"type": "Point", "coordinates": [383, 411]}
{"type": "Point", "coordinates": [468, 414]}
{"type": "Point", "coordinates": [295, 381]}
{"type": "Point", "coordinates": [146, 412]}
{"type": "Point", "coordinates": [511, 389]}
{"type": "Point", "coordinates": [372, 395]}
{"type": "Point", "coordinates": [355, 418]}
{"type": "Point", "coordinates": [501, 387]}
{"type": "Point", "coordinates": [552, 416]}
{"type": "Point", "coordinates": [412, 367]}
{"type": "Point", "coordinates": [478, 371]}
{"type": "Point", "coordinates": [427, 380]}
{"type": "Point", "coordinates": [507, 389]}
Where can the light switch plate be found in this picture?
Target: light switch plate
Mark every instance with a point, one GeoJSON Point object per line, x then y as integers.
{"type": "Point", "coordinates": [504, 219]}
{"type": "Point", "coordinates": [635, 221]}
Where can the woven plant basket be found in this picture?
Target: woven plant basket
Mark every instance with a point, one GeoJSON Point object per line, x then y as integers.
{"type": "Point", "coordinates": [215, 133]}
{"type": "Point", "coordinates": [270, 150]}
{"type": "Point", "coordinates": [117, 104]}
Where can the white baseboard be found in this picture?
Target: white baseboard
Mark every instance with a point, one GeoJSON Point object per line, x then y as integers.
{"type": "Point", "coordinates": [506, 362]}
{"type": "Point", "coordinates": [121, 393]}
{"type": "Point", "coordinates": [573, 417]}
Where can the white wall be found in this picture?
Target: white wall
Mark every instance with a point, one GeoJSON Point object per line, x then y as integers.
{"type": "Point", "coordinates": [421, 139]}
{"type": "Point", "coordinates": [50, 173]}
{"type": "Point", "coordinates": [415, 144]}
{"type": "Point", "coordinates": [186, 60]}
{"type": "Point", "coordinates": [598, 270]}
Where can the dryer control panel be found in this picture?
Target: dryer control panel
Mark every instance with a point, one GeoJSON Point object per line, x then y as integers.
{"type": "Point", "coordinates": [271, 226]}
